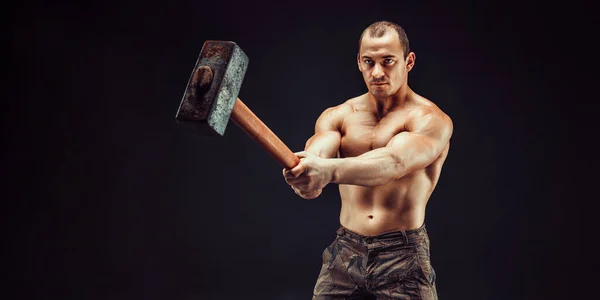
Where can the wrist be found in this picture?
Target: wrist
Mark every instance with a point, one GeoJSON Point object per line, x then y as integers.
{"type": "Point", "coordinates": [334, 169]}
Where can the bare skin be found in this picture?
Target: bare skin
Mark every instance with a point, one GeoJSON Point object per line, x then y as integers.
{"type": "Point", "coordinates": [385, 149]}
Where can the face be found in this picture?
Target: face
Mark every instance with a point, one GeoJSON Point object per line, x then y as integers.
{"type": "Point", "coordinates": [382, 64]}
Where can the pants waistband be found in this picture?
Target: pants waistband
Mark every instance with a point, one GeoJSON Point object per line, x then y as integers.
{"type": "Point", "coordinates": [410, 236]}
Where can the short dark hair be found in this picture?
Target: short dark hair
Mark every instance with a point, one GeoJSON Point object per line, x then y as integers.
{"type": "Point", "coordinates": [380, 28]}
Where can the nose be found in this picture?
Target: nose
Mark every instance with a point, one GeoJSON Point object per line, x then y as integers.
{"type": "Point", "coordinates": [377, 72]}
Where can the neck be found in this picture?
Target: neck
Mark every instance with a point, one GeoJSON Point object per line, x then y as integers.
{"type": "Point", "coordinates": [387, 104]}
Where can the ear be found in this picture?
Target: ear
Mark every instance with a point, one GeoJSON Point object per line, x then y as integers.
{"type": "Point", "coordinates": [410, 61]}
{"type": "Point", "coordinates": [358, 62]}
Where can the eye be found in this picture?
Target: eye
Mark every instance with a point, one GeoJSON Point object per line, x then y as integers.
{"type": "Point", "coordinates": [368, 62]}
{"type": "Point", "coordinates": [388, 61]}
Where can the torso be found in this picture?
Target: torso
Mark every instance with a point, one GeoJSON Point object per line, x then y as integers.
{"type": "Point", "coordinates": [400, 204]}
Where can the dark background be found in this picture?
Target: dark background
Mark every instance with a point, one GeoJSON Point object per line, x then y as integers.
{"type": "Point", "coordinates": [108, 198]}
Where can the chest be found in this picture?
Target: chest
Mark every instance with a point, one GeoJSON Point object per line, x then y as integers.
{"type": "Point", "coordinates": [365, 131]}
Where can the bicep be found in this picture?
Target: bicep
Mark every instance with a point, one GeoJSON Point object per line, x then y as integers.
{"type": "Point", "coordinates": [327, 137]}
{"type": "Point", "coordinates": [418, 148]}
{"type": "Point", "coordinates": [324, 144]}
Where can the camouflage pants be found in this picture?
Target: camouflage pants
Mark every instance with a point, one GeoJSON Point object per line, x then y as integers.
{"type": "Point", "coordinates": [393, 265]}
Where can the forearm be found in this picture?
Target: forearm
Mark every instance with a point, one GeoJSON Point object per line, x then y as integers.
{"type": "Point", "coordinates": [323, 145]}
{"type": "Point", "coordinates": [373, 168]}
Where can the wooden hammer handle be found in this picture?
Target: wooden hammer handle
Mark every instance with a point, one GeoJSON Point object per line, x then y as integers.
{"type": "Point", "coordinates": [243, 117]}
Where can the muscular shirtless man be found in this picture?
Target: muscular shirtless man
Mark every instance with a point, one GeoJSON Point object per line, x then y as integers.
{"type": "Point", "coordinates": [385, 149]}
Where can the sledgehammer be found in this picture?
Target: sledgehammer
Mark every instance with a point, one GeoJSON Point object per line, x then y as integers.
{"type": "Point", "coordinates": [211, 99]}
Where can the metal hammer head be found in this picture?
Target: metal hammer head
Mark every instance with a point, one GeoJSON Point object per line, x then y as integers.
{"type": "Point", "coordinates": [213, 88]}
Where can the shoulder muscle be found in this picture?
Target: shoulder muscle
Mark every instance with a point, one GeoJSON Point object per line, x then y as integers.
{"type": "Point", "coordinates": [331, 118]}
{"type": "Point", "coordinates": [430, 121]}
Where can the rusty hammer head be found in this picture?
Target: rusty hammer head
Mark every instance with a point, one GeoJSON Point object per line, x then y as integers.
{"type": "Point", "coordinates": [213, 88]}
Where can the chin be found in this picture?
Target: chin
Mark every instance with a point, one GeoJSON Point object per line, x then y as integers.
{"type": "Point", "coordinates": [380, 94]}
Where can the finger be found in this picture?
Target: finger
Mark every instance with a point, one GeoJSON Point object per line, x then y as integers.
{"type": "Point", "coordinates": [301, 154]}
{"type": "Point", "coordinates": [298, 192]}
{"type": "Point", "coordinates": [316, 194]}
{"type": "Point", "coordinates": [304, 188]}
{"type": "Point", "coordinates": [297, 170]}
{"type": "Point", "coordinates": [300, 182]}
{"type": "Point", "coordinates": [310, 195]}
{"type": "Point", "coordinates": [287, 173]}
{"type": "Point", "coordinates": [297, 182]}
{"type": "Point", "coordinates": [301, 188]}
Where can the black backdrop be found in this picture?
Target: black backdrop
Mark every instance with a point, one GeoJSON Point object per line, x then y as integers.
{"type": "Point", "coordinates": [108, 198]}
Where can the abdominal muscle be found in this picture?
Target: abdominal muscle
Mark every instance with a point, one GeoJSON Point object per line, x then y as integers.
{"type": "Point", "coordinates": [397, 205]}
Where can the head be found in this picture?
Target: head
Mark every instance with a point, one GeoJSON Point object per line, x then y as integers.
{"type": "Point", "coordinates": [384, 58]}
